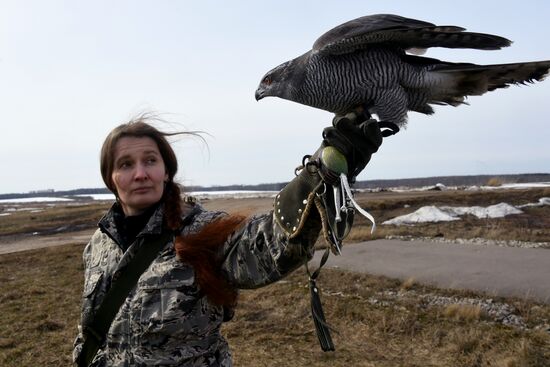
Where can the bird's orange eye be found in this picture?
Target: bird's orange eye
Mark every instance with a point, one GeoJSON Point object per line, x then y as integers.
{"type": "Point", "coordinates": [267, 80]}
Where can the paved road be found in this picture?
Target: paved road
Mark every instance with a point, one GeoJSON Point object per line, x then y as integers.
{"type": "Point", "coordinates": [503, 271]}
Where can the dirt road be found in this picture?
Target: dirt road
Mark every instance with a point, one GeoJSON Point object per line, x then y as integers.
{"type": "Point", "coordinates": [502, 271]}
{"type": "Point", "coordinates": [29, 242]}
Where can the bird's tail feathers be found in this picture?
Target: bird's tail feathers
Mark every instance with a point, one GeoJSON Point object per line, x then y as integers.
{"type": "Point", "coordinates": [457, 81]}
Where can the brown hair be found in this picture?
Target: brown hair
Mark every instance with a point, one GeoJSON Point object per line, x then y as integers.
{"type": "Point", "coordinates": [200, 250]}
{"type": "Point", "coordinates": [138, 128]}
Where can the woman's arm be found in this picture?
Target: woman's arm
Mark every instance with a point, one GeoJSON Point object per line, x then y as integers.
{"type": "Point", "coordinates": [79, 340]}
{"type": "Point", "coordinates": [260, 252]}
{"type": "Point", "coordinates": [270, 246]}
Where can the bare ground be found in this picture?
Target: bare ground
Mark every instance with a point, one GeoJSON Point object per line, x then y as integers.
{"type": "Point", "coordinates": [380, 321]}
{"type": "Point", "coordinates": [48, 225]}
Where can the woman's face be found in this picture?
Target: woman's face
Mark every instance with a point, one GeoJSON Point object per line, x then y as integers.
{"type": "Point", "coordinates": [139, 174]}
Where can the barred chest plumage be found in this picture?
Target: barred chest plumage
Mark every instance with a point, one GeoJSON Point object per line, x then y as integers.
{"type": "Point", "coordinates": [339, 83]}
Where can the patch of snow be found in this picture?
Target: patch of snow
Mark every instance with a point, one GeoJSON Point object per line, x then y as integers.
{"type": "Point", "coordinates": [493, 211]}
{"type": "Point", "coordinates": [542, 202]}
{"type": "Point", "coordinates": [232, 194]}
{"type": "Point", "coordinates": [440, 187]}
{"type": "Point", "coordinates": [447, 213]}
{"type": "Point", "coordinates": [437, 187]}
{"type": "Point", "coordinates": [100, 197]}
{"type": "Point", "coordinates": [422, 215]}
{"type": "Point", "coordinates": [527, 185]}
{"type": "Point", "coordinates": [33, 200]}
{"type": "Point", "coordinates": [25, 209]}
{"type": "Point", "coordinates": [4, 214]}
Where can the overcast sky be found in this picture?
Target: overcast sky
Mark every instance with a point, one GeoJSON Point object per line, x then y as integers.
{"type": "Point", "coordinates": [70, 71]}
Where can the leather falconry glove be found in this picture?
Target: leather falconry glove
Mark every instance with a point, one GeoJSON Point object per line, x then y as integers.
{"type": "Point", "coordinates": [319, 185]}
{"type": "Point", "coordinates": [357, 137]}
{"type": "Point", "coordinates": [320, 192]}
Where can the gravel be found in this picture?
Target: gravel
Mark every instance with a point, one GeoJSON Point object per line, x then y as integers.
{"type": "Point", "coordinates": [475, 241]}
{"type": "Point", "coordinates": [492, 311]}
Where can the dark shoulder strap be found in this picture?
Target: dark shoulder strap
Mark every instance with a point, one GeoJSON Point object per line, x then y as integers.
{"type": "Point", "coordinates": [121, 286]}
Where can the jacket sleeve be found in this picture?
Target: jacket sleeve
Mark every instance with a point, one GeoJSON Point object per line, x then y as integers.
{"type": "Point", "coordinates": [79, 340]}
{"type": "Point", "coordinates": [261, 252]}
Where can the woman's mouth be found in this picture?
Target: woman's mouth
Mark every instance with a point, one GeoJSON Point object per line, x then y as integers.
{"type": "Point", "coordinates": [141, 190]}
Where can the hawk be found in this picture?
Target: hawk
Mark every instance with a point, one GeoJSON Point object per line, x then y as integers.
{"type": "Point", "coordinates": [367, 63]}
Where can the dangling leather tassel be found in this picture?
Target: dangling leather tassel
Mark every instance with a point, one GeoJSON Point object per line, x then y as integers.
{"type": "Point", "coordinates": [321, 326]}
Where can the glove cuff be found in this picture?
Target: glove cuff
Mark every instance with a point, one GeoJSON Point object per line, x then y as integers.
{"type": "Point", "coordinates": [295, 201]}
{"type": "Point", "coordinates": [306, 192]}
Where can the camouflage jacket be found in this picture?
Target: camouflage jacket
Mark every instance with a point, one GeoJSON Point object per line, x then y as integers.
{"type": "Point", "coordinates": [165, 321]}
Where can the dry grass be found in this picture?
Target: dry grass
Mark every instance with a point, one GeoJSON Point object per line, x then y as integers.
{"type": "Point", "coordinates": [39, 306]}
{"type": "Point", "coordinates": [40, 298]}
{"type": "Point", "coordinates": [408, 284]}
{"type": "Point", "coordinates": [51, 219]}
{"type": "Point", "coordinates": [388, 333]}
{"type": "Point", "coordinates": [463, 312]}
{"type": "Point", "coordinates": [531, 226]}
{"type": "Point", "coordinates": [494, 182]}
{"type": "Point", "coordinates": [40, 295]}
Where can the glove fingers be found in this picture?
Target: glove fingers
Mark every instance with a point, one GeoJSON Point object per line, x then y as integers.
{"type": "Point", "coordinates": [354, 136]}
{"type": "Point", "coordinates": [372, 132]}
{"type": "Point", "coordinates": [366, 137]}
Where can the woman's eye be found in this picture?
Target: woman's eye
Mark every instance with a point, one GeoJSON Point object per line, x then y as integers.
{"type": "Point", "coordinates": [125, 165]}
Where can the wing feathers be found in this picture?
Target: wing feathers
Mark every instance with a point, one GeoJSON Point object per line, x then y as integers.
{"type": "Point", "coordinates": [404, 33]}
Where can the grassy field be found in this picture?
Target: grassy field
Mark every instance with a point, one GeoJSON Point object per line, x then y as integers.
{"type": "Point", "coordinates": [40, 294]}
{"type": "Point", "coordinates": [380, 322]}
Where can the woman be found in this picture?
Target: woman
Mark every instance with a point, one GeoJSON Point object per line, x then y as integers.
{"type": "Point", "coordinates": [173, 313]}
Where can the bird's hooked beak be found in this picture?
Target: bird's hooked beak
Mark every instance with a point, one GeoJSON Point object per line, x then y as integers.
{"type": "Point", "coordinates": [259, 93]}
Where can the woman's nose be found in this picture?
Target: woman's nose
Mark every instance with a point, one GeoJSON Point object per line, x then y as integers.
{"type": "Point", "coordinates": [141, 172]}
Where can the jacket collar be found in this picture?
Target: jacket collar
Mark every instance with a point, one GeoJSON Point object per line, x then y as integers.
{"type": "Point", "coordinates": [108, 223]}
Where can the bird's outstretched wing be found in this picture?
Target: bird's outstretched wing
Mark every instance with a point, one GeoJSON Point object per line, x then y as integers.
{"type": "Point", "coordinates": [405, 33]}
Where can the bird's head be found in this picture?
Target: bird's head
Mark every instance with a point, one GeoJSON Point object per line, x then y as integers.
{"type": "Point", "coordinates": [279, 82]}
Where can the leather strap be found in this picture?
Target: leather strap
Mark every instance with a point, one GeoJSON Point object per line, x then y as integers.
{"type": "Point", "coordinates": [321, 327]}
{"type": "Point", "coordinates": [122, 284]}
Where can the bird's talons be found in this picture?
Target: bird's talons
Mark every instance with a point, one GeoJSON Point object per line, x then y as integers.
{"type": "Point", "coordinates": [388, 128]}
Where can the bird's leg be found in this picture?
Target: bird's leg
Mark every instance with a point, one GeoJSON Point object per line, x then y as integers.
{"type": "Point", "coordinates": [362, 112]}
{"type": "Point", "coordinates": [390, 128]}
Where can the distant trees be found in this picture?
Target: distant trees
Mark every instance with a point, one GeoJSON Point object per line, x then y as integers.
{"type": "Point", "coordinates": [369, 184]}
